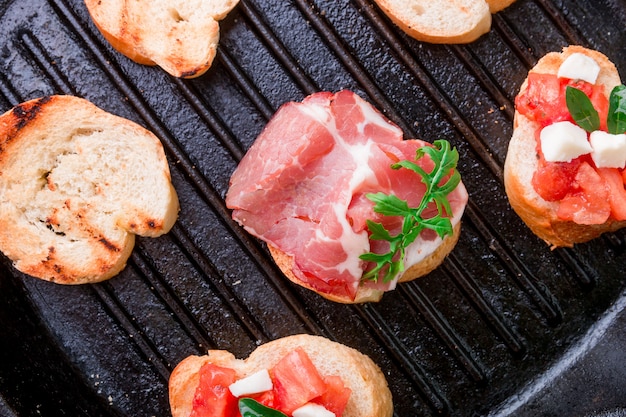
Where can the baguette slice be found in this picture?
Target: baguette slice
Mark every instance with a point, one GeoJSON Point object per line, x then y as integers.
{"type": "Point", "coordinates": [368, 294]}
{"type": "Point", "coordinates": [180, 36]}
{"type": "Point", "coordinates": [443, 21]}
{"type": "Point", "coordinates": [76, 185]}
{"type": "Point", "coordinates": [370, 395]}
{"type": "Point", "coordinates": [521, 163]}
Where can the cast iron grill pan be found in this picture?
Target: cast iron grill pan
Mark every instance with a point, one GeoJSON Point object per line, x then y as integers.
{"type": "Point", "coordinates": [463, 341]}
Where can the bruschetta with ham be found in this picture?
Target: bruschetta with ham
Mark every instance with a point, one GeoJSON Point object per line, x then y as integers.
{"type": "Point", "coordinates": [347, 207]}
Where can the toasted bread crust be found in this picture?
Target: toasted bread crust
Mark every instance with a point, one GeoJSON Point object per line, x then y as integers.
{"type": "Point", "coordinates": [178, 36]}
{"type": "Point", "coordinates": [443, 21]}
{"type": "Point", "coordinates": [370, 394]}
{"type": "Point", "coordinates": [68, 212]}
{"type": "Point", "coordinates": [521, 162]}
{"type": "Point", "coordinates": [285, 262]}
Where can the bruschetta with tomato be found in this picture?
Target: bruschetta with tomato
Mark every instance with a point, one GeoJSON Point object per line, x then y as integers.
{"type": "Point", "coordinates": [295, 376]}
{"type": "Point", "coordinates": [347, 207]}
{"type": "Point", "coordinates": [564, 171]}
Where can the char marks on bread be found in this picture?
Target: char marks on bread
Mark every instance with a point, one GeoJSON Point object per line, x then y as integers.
{"type": "Point", "coordinates": [522, 162]}
{"type": "Point", "coordinates": [443, 21]}
{"type": "Point", "coordinates": [76, 185]}
{"type": "Point", "coordinates": [180, 36]}
{"type": "Point", "coordinates": [370, 395]}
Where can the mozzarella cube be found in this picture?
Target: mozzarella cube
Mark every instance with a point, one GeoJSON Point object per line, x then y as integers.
{"type": "Point", "coordinates": [579, 66]}
{"type": "Point", "coordinates": [312, 410]}
{"type": "Point", "coordinates": [609, 151]}
{"type": "Point", "coordinates": [563, 141]}
{"type": "Point", "coordinates": [253, 384]}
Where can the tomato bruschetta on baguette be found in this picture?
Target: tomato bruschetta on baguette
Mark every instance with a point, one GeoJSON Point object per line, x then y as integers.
{"type": "Point", "coordinates": [564, 170]}
{"type": "Point", "coordinates": [300, 375]}
{"type": "Point", "coordinates": [347, 207]}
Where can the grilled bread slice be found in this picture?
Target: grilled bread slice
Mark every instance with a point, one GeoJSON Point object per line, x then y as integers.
{"type": "Point", "coordinates": [76, 185]}
{"type": "Point", "coordinates": [443, 21]}
{"type": "Point", "coordinates": [370, 396]}
{"type": "Point", "coordinates": [180, 36]}
{"type": "Point", "coordinates": [521, 163]}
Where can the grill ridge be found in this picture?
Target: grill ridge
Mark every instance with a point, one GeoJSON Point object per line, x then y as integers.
{"type": "Point", "coordinates": [432, 393]}
{"type": "Point", "coordinates": [456, 345]}
{"type": "Point", "coordinates": [135, 334]}
{"type": "Point", "coordinates": [495, 320]}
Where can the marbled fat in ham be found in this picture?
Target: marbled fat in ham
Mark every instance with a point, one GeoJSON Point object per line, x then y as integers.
{"type": "Point", "coordinates": [301, 188]}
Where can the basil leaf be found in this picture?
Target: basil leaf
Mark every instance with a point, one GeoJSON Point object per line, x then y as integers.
{"type": "Point", "coordinates": [252, 408]}
{"type": "Point", "coordinates": [581, 109]}
{"type": "Point", "coordinates": [616, 119]}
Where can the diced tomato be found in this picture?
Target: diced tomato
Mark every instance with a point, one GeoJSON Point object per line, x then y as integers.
{"type": "Point", "coordinates": [212, 397]}
{"type": "Point", "coordinates": [541, 100]}
{"type": "Point", "coordinates": [617, 194]}
{"type": "Point", "coordinates": [267, 398]}
{"type": "Point", "coordinates": [296, 381]}
{"type": "Point", "coordinates": [553, 180]}
{"type": "Point", "coordinates": [589, 201]}
{"type": "Point", "coordinates": [336, 396]}
{"type": "Point", "coordinates": [544, 101]}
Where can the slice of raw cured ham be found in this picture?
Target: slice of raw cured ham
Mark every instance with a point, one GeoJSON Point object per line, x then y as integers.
{"type": "Point", "coordinates": [302, 189]}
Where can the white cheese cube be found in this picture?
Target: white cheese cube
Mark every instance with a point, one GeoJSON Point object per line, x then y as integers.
{"type": "Point", "coordinates": [312, 410]}
{"type": "Point", "coordinates": [579, 66]}
{"type": "Point", "coordinates": [609, 151]}
{"type": "Point", "coordinates": [253, 384]}
{"type": "Point", "coordinates": [563, 141]}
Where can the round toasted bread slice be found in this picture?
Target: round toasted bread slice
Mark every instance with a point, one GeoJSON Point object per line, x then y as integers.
{"type": "Point", "coordinates": [370, 396]}
{"type": "Point", "coordinates": [439, 21]}
{"type": "Point", "coordinates": [443, 21]}
{"type": "Point", "coordinates": [180, 36]}
{"type": "Point", "coordinates": [76, 185]}
{"type": "Point", "coordinates": [521, 163]}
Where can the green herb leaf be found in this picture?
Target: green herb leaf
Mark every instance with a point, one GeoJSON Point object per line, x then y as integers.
{"type": "Point", "coordinates": [391, 263]}
{"type": "Point", "coordinates": [581, 109]}
{"type": "Point", "coordinates": [252, 408]}
{"type": "Point", "coordinates": [616, 119]}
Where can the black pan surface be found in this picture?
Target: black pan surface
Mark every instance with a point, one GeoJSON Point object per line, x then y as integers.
{"type": "Point", "coordinates": [504, 327]}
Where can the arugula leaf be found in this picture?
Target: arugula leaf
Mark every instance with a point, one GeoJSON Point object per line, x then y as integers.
{"type": "Point", "coordinates": [252, 408]}
{"type": "Point", "coordinates": [391, 263]}
{"type": "Point", "coordinates": [581, 109]}
{"type": "Point", "coordinates": [616, 119]}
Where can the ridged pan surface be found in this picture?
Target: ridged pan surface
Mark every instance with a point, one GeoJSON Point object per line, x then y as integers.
{"type": "Point", "coordinates": [462, 341]}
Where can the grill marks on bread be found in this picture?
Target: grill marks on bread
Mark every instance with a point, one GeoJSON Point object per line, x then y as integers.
{"type": "Point", "coordinates": [76, 185]}
{"type": "Point", "coordinates": [180, 36]}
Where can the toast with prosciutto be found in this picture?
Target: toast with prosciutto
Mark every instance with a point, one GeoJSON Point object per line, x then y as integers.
{"type": "Point", "coordinates": [295, 376]}
{"type": "Point", "coordinates": [347, 207]}
{"type": "Point", "coordinates": [564, 170]}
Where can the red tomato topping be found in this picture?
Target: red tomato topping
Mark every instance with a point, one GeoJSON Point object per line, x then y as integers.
{"type": "Point", "coordinates": [543, 101]}
{"type": "Point", "coordinates": [553, 180]}
{"type": "Point", "coordinates": [586, 195]}
{"type": "Point", "coordinates": [212, 397]}
{"type": "Point", "coordinates": [336, 396]}
{"type": "Point", "coordinates": [589, 203]}
{"type": "Point", "coordinates": [296, 381]}
{"type": "Point", "coordinates": [617, 193]}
